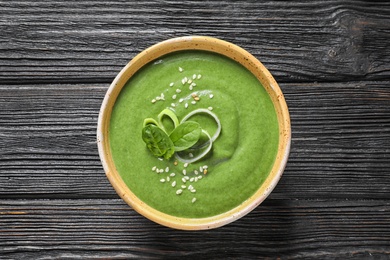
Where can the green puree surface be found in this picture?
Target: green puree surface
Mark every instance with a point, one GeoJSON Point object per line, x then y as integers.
{"type": "Point", "coordinates": [241, 157]}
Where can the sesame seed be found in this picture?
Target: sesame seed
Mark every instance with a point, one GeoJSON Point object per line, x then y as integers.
{"type": "Point", "coordinates": [199, 76]}
{"type": "Point", "coordinates": [205, 167]}
{"type": "Point", "coordinates": [154, 168]}
{"type": "Point", "coordinates": [178, 90]}
{"type": "Point", "coordinates": [194, 76]}
{"type": "Point", "coordinates": [158, 98]}
{"type": "Point", "coordinates": [190, 155]}
{"type": "Point", "coordinates": [162, 180]}
{"type": "Point", "coordinates": [162, 96]}
{"type": "Point", "coordinates": [181, 100]}
{"type": "Point", "coordinates": [196, 179]}
{"type": "Point", "coordinates": [190, 187]}
{"type": "Point", "coordinates": [175, 163]}
{"type": "Point", "coordinates": [192, 179]}
{"type": "Point", "coordinates": [174, 96]}
{"type": "Point", "coordinates": [211, 96]}
{"type": "Point", "coordinates": [186, 177]}
{"type": "Point", "coordinates": [210, 108]}
{"type": "Point", "coordinates": [205, 171]}
{"type": "Point", "coordinates": [179, 191]}
{"type": "Point", "coordinates": [197, 98]}
{"type": "Point", "coordinates": [180, 69]}
{"type": "Point", "coordinates": [172, 83]}
{"type": "Point", "coordinates": [161, 170]}
{"type": "Point", "coordinates": [183, 180]}
{"type": "Point", "coordinates": [161, 159]}
{"type": "Point", "coordinates": [173, 184]}
{"type": "Point", "coordinates": [154, 101]}
{"type": "Point", "coordinates": [168, 179]}
{"type": "Point", "coordinates": [196, 172]}
{"type": "Point", "coordinates": [184, 172]}
{"type": "Point", "coordinates": [201, 169]}
{"type": "Point", "coordinates": [189, 81]}
{"type": "Point", "coordinates": [183, 186]}
{"type": "Point", "coordinates": [190, 87]}
{"type": "Point", "coordinates": [172, 174]}
{"type": "Point", "coordinates": [193, 102]}
{"type": "Point", "coordinates": [200, 177]}
{"type": "Point", "coordinates": [167, 169]}
{"type": "Point", "coordinates": [185, 165]}
{"type": "Point", "coordinates": [193, 200]}
{"type": "Point", "coordinates": [193, 84]}
{"type": "Point", "coordinates": [193, 190]}
{"type": "Point", "coordinates": [184, 80]}
{"type": "Point", "coordinates": [186, 105]}
{"type": "Point", "coordinates": [173, 105]}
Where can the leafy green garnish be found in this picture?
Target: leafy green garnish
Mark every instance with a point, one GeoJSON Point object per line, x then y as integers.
{"type": "Point", "coordinates": [185, 135]}
{"type": "Point", "coordinates": [158, 141]}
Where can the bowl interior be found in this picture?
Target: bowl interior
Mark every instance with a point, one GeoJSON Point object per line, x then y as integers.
{"type": "Point", "coordinates": [206, 44]}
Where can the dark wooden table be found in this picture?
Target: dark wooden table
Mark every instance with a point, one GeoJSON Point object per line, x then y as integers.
{"type": "Point", "coordinates": [331, 59]}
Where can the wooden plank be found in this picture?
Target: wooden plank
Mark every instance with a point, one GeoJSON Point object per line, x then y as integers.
{"type": "Point", "coordinates": [341, 140]}
{"type": "Point", "coordinates": [90, 41]}
{"type": "Point", "coordinates": [92, 229]}
{"type": "Point", "coordinates": [340, 145]}
{"type": "Point", "coordinates": [49, 141]}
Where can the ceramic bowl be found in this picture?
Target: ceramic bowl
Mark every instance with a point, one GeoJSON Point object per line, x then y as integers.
{"type": "Point", "coordinates": [207, 44]}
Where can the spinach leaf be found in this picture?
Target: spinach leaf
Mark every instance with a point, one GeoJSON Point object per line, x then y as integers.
{"type": "Point", "coordinates": [157, 141]}
{"type": "Point", "coordinates": [185, 135]}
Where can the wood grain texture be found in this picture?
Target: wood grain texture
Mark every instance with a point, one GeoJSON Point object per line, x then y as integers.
{"type": "Point", "coordinates": [90, 41]}
{"type": "Point", "coordinates": [331, 59]}
{"type": "Point", "coordinates": [340, 143]}
{"type": "Point", "coordinates": [95, 229]}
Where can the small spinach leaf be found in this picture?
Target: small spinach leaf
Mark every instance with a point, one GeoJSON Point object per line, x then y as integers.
{"type": "Point", "coordinates": [157, 141]}
{"type": "Point", "coordinates": [185, 135]}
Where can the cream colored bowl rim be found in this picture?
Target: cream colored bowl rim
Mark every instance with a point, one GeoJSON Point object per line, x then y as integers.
{"type": "Point", "coordinates": [206, 44]}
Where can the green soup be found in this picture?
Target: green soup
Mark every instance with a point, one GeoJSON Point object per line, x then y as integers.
{"type": "Point", "coordinates": [241, 157]}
